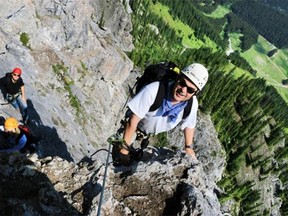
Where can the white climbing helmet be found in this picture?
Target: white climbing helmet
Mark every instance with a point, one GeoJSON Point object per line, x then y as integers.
{"type": "Point", "coordinates": [197, 73]}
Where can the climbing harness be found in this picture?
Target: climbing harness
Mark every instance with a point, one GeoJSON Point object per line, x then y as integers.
{"type": "Point", "coordinates": [12, 97]}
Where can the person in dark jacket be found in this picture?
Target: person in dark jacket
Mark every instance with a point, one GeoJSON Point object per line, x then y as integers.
{"type": "Point", "coordinates": [12, 86]}
{"type": "Point", "coordinates": [15, 138]}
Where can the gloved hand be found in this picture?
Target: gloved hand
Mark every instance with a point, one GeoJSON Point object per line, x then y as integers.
{"type": "Point", "coordinates": [124, 159]}
{"type": "Point", "coordinates": [120, 159]}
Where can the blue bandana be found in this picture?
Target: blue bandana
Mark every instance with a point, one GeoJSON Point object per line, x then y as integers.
{"type": "Point", "coordinates": [172, 110]}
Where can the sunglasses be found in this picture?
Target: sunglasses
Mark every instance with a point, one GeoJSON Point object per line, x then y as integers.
{"type": "Point", "coordinates": [15, 75]}
{"type": "Point", "coordinates": [183, 84]}
{"type": "Point", "coordinates": [10, 131]}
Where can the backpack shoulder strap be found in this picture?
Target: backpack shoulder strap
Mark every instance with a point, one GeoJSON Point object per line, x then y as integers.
{"type": "Point", "coordinates": [188, 108]}
{"type": "Point", "coordinates": [24, 129]}
{"type": "Point", "coordinates": [161, 93]}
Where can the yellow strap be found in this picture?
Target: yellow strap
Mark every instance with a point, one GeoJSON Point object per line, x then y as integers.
{"type": "Point", "coordinates": [175, 69]}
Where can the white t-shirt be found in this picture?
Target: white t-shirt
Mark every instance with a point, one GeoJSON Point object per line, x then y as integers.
{"type": "Point", "coordinates": [154, 122]}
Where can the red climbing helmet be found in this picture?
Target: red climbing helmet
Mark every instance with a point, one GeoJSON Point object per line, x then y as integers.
{"type": "Point", "coordinates": [17, 71]}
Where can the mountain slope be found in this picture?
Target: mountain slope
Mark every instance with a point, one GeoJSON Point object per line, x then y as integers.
{"type": "Point", "coordinates": [76, 75]}
{"type": "Point", "coordinates": [245, 110]}
{"type": "Point", "coordinates": [72, 69]}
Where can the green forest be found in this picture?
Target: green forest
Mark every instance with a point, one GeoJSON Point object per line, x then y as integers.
{"type": "Point", "coordinates": [249, 115]}
{"type": "Point", "coordinates": [269, 23]}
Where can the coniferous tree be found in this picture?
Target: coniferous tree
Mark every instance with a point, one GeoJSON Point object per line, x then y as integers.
{"type": "Point", "coordinates": [233, 104]}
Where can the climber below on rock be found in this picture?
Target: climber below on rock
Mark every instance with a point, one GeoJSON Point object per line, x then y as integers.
{"type": "Point", "coordinates": [12, 86]}
{"type": "Point", "coordinates": [15, 137]}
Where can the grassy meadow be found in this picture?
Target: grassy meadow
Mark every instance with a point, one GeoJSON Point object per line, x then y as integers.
{"type": "Point", "coordinates": [273, 69]}
{"type": "Point", "coordinates": [182, 30]}
{"type": "Point", "coordinates": [220, 12]}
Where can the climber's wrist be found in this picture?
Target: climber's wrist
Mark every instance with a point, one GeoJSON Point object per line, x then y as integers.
{"type": "Point", "coordinates": [125, 148]}
{"type": "Point", "coordinates": [124, 151]}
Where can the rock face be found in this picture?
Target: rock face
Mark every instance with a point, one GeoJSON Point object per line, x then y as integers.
{"type": "Point", "coordinates": [206, 145]}
{"type": "Point", "coordinates": [162, 183]}
{"type": "Point", "coordinates": [73, 70]}
{"type": "Point", "coordinates": [164, 186]}
{"type": "Point", "coordinates": [76, 73]}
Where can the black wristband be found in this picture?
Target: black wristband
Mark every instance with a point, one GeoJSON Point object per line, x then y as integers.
{"type": "Point", "coordinates": [125, 146]}
{"type": "Point", "coordinates": [188, 146]}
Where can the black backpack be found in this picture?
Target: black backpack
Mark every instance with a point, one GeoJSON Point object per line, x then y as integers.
{"type": "Point", "coordinates": [163, 72]}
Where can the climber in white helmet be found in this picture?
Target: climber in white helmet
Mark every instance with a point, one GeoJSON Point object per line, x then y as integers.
{"type": "Point", "coordinates": [178, 107]}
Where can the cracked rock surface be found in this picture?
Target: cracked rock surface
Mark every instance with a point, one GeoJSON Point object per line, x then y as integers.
{"type": "Point", "coordinates": [158, 185]}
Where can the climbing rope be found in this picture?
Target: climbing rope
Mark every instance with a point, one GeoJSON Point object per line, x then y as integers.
{"type": "Point", "coordinates": [104, 180]}
{"type": "Point", "coordinates": [103, 149]}
{"type": "Point", "coordinates": [110, 140]}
